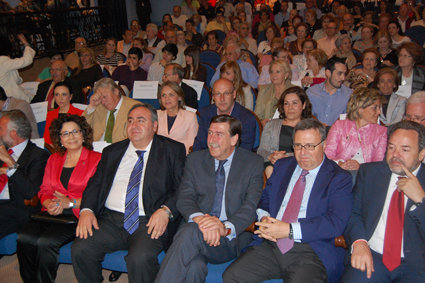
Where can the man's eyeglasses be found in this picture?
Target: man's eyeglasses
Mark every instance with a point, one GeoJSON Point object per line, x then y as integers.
{"type": "Point", "coordinates": [74, 133]}
{"type": "Point", "coordinates": [309, 147]}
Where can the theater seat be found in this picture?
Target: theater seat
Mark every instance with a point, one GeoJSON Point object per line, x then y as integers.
{"type": "Point", "coordinates": [115, 262]}
{"type": "Point", "coordinates": [8, 244]}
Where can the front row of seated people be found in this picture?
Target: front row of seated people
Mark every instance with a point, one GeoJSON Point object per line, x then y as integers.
{"type": "Point", "coordinates": [305, 205]}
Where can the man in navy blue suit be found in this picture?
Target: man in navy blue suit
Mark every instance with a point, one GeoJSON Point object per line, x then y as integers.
{"type": "Point", "coordinates": [386, 231]}
{"type": "Point", "coordinates": [224, 95]}
{"type": "Point", "coordinates": [305, 205]}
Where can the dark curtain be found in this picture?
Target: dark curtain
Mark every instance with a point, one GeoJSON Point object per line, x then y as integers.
{"type": "Point", "coordinates": [115, 14]}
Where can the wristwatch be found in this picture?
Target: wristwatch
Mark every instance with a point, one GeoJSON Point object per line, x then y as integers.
{"type": "Point", "coordinates": [420, 203]}
{"type": "Point", "coordinates": [291, 233]}
{"type": "Point", "coordinates": [14, 166]}
{"type": "Point", "coordinates": [170, 214]}
{"type": "Point", "coordinates": [72, 203]}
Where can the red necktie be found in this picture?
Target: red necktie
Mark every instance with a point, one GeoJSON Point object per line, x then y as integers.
{"type": "Point", "coordinates": [3, 177]}
{"type": "Point", "coordinates": [394, 231]}
{"type": "Point", "coordinates": [292, 210]}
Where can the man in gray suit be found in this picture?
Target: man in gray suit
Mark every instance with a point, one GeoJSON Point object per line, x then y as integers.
{"type": "Point", "coordinates": [218, 195]}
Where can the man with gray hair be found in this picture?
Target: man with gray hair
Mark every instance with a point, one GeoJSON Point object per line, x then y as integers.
{"type": "Point", "coordinates": [22, 171]}
{"type": "Point", "coordinates": [232, 52]}
{"type": "Point", "coordinates": [415, 109]}
{"type": "Point", "coordinates": [151, 37]}
{"type": "Point", "coordinates": [107, 111]}
{"type": "Point", "coordinates": [174, 72]}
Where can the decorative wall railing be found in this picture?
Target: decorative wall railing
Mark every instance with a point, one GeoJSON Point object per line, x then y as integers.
{"type": "Point", "coordinates": [57, 29]}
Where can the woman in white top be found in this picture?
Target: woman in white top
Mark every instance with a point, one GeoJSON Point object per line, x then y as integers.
{"type": "Point", "coordinates": [265, 46]}
{"type": "Point", "coordinates": [244, 96]}
{"type": "Point", "coordinates": [315, 73]}
{"type": "Point", "coordinates": [394, 29]}
{"type": "Point", "coordinates": [9, 76]}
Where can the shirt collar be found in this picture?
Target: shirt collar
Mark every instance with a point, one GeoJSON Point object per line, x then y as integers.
{"type": "Point", "coordinates": [18, 149]}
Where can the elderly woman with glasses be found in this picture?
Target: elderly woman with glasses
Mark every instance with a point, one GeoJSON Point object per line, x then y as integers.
{"type": "Point", "coordinates": [66, 175]}
{"type": "Point", "coordinates": [358, 139]}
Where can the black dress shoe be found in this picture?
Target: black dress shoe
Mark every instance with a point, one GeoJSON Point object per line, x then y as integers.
{"type": "Point", "coordinates": [115, 275]}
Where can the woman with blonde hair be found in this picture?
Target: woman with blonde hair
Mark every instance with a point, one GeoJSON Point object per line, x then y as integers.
{"type": "Point", "coordinates": [110, 58]}
{"type": "Point", "coordinates": [280, 77]}
{"type": "Point", "coordinates": [174, 121]}
{"type": "Point", "coordinates": [358, 139]}
{"type": "Point", "coordinates": [89, 71]}
{"type": "Point", "coordinates": [231, 71]}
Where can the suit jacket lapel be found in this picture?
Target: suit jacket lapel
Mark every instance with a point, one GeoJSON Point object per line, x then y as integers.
{"type": "Point", "coordinates": [209, 164]}
{"type": "Point", "coordinates": [379, 192]}
{"type": "Point", "coordinates": [114, 162]}
{"type": "Point", "coordinates": [320, 184]}
{"type": "Point", "coordinates": [282, 188]}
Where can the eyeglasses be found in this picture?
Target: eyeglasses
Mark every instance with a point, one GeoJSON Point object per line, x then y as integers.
{"type": "Point", "coordinates": [414, 118]}
{"type": "Point", "coordinates": [74, 133]}
{"type": "Point", "coordinates": [309, 147]}
{"type": "Point", "coordinates": [227, 93]}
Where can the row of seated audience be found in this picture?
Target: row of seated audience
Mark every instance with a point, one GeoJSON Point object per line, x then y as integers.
{"type": "Point", "coordinates": [308, 197]}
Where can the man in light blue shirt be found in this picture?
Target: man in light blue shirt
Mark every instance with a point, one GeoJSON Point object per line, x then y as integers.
{"type": "Point", "coordinates": [305, 205]}
{"type": "Point", "coordinates": [232, 53]}
{"type": "Point", "coordinates": [329, 99]}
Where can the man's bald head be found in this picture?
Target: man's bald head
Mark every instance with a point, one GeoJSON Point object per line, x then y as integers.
{"type": "Point", "coordinates": [58, 71]}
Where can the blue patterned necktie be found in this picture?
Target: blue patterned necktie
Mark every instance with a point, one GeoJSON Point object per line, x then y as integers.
{"type": "Point", "coordinates": [131, 213]}
{"type": "Point", "coordinates": [220, 178]}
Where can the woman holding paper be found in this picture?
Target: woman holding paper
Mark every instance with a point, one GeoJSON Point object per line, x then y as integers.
{"type": "Point", "coordinates": [62, 95]}
{"type": "Point", "coordinates": [66, 175]}
{"type": "Point", "coordinates": [174, 121]}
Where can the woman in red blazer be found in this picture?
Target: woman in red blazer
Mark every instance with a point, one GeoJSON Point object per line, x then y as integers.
{"type": "Point", "coordinates": [66, 175]}
{"type": "Point", "coordinates": [62, 94]}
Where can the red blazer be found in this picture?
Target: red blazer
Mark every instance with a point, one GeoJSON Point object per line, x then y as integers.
{"type": "Point", "coordinates": [83, 171]}
{"type": "Point", "coordinates": [54, 114]}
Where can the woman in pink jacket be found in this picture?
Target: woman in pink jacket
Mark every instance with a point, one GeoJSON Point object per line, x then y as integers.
{"type": "Point", "coordinates": [359, 139]}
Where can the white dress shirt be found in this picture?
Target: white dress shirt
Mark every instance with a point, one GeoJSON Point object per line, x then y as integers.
{"type": "Point", "coordinates": [116, 197]}
{"type": "Point", "coordinates": [376, 242]}
{"type": "Point", "coordinates": [17, 151]}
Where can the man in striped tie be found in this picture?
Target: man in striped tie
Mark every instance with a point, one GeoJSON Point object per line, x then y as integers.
{"type": "Point", "coordinates": [305, 205]}
{"type": "Point", "coordinates": [130, 202]}
{"type": "Point", "coordinates": [386, 231]}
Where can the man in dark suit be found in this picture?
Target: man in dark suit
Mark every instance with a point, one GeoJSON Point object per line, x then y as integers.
{"type": "Point", "coordinates": [22, 171]}
{"type": "Point", "coordinates": [217, 197]}
{"type": "Point", "coordinates": [130, 201]}
{"type": "Point", "coordinates": [224, 95]}
{"type": "Point", "coordinates": [386, 231]}
{"type": "Point", "coordinates": [59, 70]}
{"type": "Point", "coordinates": [305, 205]}
{"type": "Point", "coordinates": [175, 73]}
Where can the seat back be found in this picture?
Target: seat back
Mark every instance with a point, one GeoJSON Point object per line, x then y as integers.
{"type": "Point", "coordinates": [210, 73]}
{"type": "Point", "coordinates": [210, 57]}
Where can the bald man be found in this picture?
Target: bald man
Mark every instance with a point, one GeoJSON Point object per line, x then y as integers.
{"type": "Point", "coordinates": [45, 90]}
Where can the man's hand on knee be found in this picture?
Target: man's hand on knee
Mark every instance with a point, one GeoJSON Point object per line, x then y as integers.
{"type": "Point", "coordinates": [361, 258]}
{"type": "Point", "coordinates": [85, 223]}
{"type": "Point", "coordinates": [157, 223]}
